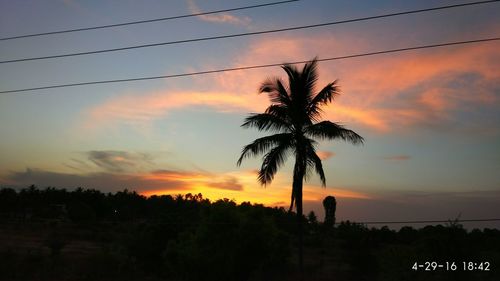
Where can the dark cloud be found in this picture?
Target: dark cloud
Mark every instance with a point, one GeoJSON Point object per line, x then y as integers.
{"type": "Point", "coordinates": [397, 157]}
{"type": "Point", "coordinates": [107, 182]}
{"type": "Point", "coordinates": [229, 183]}
{"type": "Point", "coordinates": [172, 172]}
{"type": "Point", "coordinates": [118, 161]}
{"type": "Point", "coordinates": [159, 180]}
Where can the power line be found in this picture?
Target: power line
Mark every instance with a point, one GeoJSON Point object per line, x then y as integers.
{"type": "Point", "coordinates": [245, 34]}
{"type": "Point", "coordinates": [251, 67]}
{"type": "Point", "coordinates": [426, 221]}
{"type": "Point", "coordinates": [146, 21]}
{"type": "Point", "coordinates": [345, 221]}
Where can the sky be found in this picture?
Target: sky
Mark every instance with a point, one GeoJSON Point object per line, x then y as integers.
{"type": "Point", "coordinates": [429, 117]}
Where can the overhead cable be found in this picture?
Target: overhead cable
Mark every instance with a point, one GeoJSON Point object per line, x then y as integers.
{"type": "Point", "coordinates": [242, 34]}
{"type": "Point", "coordinates": [145, 21]}
{"type": "Point", "coordinates": [484, 40]}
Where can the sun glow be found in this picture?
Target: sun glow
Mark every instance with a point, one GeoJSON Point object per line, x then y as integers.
{"type": "Point", "coordinates": [243, 187]}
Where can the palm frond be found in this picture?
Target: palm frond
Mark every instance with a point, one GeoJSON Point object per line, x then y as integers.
{"type": "Point", "coordinates": [262, 145]}
{"type": "Point", "coordinates": [272, 161]}
{"type": "Point", "coordinates": [267, 122]}
{"type": "Point", "coordinates": [325, 96]}
{"type": "Point", "coordinates": [292, 71]}
{"type": "Point", "coordinates": [279, 111]}
{"type": "Point", "coordinates": [278, 93]}
{"type": "Point", "coordinates": [329, 130]}
{"type": "Point", "coordinates": [309, 77]}
{"type": "Point", "coordinates": [313, 160]}
{"type": "Point", "coordinates": [293, 80]}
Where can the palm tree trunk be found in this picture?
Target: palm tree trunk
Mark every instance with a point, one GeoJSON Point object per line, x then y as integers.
{"type": "Point", "coordinates": [301, 234]}
{"type": "Point", "coordinates": [297, 190]}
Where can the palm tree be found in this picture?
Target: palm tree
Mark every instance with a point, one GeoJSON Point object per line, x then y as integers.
{"type": "Point", "coordinates": [294, 116]}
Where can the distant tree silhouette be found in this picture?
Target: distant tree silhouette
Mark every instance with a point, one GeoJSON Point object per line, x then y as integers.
{"type": "Point", "coordinates": [312, 218]}
{"type": "Point", "coordinates": [330, 205]}
{"type": "Point", "coordinates": [294, 115]}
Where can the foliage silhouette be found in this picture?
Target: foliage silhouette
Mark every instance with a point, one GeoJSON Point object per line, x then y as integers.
{"type": "Point", "coordinates": [294, 115]}
{"type": "Point", "coordinates": [187, 237]}
{"type": "Point", "coordinates": [330, 205]}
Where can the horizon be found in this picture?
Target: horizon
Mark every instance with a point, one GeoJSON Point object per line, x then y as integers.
{"type": "Point", "coordinates": [429, 117]}
{"type": "Point", "coordinates": [312, 206]}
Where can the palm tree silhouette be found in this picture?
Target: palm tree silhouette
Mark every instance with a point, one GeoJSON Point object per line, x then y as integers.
{"type": "Point", "coordinates": [294, 115]}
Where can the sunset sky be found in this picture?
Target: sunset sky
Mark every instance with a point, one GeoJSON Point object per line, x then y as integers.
{"type": "Point", "coordinates": [430, 118]}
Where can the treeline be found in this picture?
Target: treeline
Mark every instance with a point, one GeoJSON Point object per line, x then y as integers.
{"type": "Point", "coordinates": [183, 237]}
{"type": "Point", "coordinates": [89, 235]}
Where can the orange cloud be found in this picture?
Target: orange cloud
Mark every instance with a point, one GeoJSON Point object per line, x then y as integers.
{"type": "Point", "coordinates": [422, 88]}
{"type": "Point", "coordinates": [383, 93]}
{"type": "Point", "coordinates": [317, 193]}
{"type": "Point", "coordinates": [460, 76]}
{"type": "Point", "coordinates": [195, 181]}
{"type": "Point", "coordinates": [324, 155]}
{"type": "Point", "coordinates": [142, 110]}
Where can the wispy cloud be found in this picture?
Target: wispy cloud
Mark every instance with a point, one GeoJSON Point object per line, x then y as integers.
{"type": "Point", "coordinates": [397, 158]}
{"type": "Point", "coordinates": [140, 111]}
{"type": "Point", "coordinates": [217, 18]}
{"type": "Point", "coordinates": [118, 161]}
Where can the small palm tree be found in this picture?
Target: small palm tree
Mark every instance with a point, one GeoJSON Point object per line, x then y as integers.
{"type": "Point", "coordinates": [294, 115]}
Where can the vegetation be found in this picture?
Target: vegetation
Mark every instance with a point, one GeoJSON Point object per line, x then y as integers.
{"type": "Point", "coordinates": [294, 115]}
{"type": "Point", "coordinates": [55, 234]}
{"type": "Point", "coordinates": [330, 205]}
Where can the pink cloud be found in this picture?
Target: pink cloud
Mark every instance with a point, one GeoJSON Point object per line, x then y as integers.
{"type": "Point", "coordinates": [415, 88]}
{"type": "Point", "coordinates": [142, 110]}
{"type": "Point", "coordinates": [382, 94]}
{"type": "Point", "coordinates": [387, 92]}
{"type": "Point", "coordinates": [324, 155]}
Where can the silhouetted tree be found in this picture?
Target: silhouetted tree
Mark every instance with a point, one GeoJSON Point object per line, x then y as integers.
{"type": "Point", "coordinates": [294, 115]}
{"type": "Point", "coordinates": [330, 205]}
{"type": "Point", "coordinates": [312, 218]}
